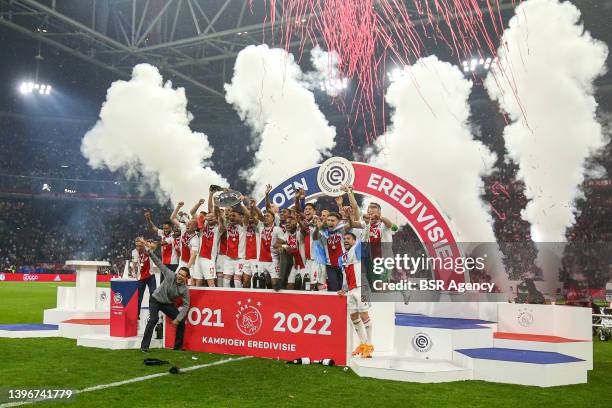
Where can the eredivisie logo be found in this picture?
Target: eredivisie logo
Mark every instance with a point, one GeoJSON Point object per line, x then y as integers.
{"type": "Point", "coordinates": [421, 342]}
{"type": "Point", "coordinates": [333, 174]}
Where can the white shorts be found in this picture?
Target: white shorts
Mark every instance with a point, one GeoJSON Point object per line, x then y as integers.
{"type": "Point", "coordinates": [233, 266]}
{"type": "Point", "coordinates": [220, 263]}
{"type": "Point", "coordinates": [273, 268]}
{"type": "Point", "coordinates": [354, 302]}
{"type": "Point", "coordinates": [250, 266]}
{"type": "Point", "coordinates": [204, 269]}
{"type": "Point", "coordinates": [316, 271]}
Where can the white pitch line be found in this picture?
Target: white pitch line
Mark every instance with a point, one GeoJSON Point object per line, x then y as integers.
{"type": "Point", "coordinates": [130, 381]}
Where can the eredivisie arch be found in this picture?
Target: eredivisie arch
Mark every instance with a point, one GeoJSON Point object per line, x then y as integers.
{"type": "Point", "coordinates": [422, 214]}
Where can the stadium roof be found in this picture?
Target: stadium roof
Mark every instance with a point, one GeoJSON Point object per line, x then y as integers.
{"type": "Point", "coordinates": [193, 42]}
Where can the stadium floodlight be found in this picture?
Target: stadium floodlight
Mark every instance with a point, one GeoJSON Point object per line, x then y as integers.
{"type": "Point", "coordinates": [26, 88]}
{"type": "Point", "coordinates": [334, 86]}
{"type": "Point", "coordinates": [475, 64]}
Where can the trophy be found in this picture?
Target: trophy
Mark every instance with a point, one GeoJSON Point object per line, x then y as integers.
{"type": "Point", "coordinates": [227, 198]}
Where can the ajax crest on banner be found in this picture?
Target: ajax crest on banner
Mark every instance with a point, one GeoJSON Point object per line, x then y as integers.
{"type": "Point", "coordinates": [248, 318]}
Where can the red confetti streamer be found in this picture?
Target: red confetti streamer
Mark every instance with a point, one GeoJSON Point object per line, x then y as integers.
{"type": "Point", "coordinates": [364, 33]}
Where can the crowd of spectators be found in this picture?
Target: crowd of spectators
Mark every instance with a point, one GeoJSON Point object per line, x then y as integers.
{"type": "Point", "coordinates": [59, 213]}
{"type": "Point", "coordinates": [50, 149]}
{"type": "Point", "coordinates": [44, 233]}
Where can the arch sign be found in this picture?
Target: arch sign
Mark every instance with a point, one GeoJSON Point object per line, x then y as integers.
{"type": "Point", "coordinates": [422, 214]}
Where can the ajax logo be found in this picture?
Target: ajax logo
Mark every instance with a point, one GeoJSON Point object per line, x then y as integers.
{"type": "Point", "coordinates": [248, 318]}
{"type": "Point", "coordinates": [117, 298]}
{"type": "Point", "coordinates": [524, 317]}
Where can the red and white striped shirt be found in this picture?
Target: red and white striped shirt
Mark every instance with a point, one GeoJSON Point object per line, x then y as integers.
{"type": "Point", "coordinates": [252, 243]}
{"type": "Point", "coordinates": [267, 239]}
{"type": "Point", "coordinates": [142, 260]}
{"type": "Point", "coordinates": [236, 241]}
{"type": "Point", "coordinates": [352, 268]}
{"type": "Point", "coordinates": [209, 241]}
{"type": "Point", "coordinates": [188, 242]}
{"type": "Point", "coordinates": [334, 248]}
{"type": "Point", "coordinates": [295, 240]}
{"type": "Point", "coordinates": [166, 247]}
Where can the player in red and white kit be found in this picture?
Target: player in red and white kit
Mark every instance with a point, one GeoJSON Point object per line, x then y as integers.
{"type": "Point", "coordinates": [141, 270]}
{"type": "Point", "coordinates": [358, 308]}
{"type": "Point", "coordinates": [251, 257]}
{"type": "Point", "coordinates": [294, 245]}
{"type": "Point", "coordinates": [315, 270]}
{"type": "Point", "coordinates": [269, 234]}
{"type": "Point", "coordinates": [175, 240]}
{"type": "Point", "coordinates": [165, 234]}
{"type": "Point", "coordinates": [189, 242]}
{"type": "Point", "coordinates": [235, 229]}
{"type": "Point", "coordinates": [222, 253]}
{"type": "Point", "coordinates": [331, 236]}
{"type": "Point", "coordinates": [209, 246]}
{"type": "Point", "coordinates": [377, 231]}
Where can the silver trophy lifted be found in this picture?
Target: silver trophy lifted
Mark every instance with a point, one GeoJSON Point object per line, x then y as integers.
{"type": "Point", "coordinates": [225, 198]}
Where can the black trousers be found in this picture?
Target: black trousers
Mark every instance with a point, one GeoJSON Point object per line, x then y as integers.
{"type": "Point", "coordinates": [285, 264]}
{"type": "Point", "coordinates": [334, 278]}
{"type": "Point", "coordinates": [169, 310]}
{"type": "Point", "coordinates": [142, 285]}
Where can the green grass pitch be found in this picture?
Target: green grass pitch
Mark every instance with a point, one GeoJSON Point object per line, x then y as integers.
{"type": "Point", "coordinates": [59, 363]}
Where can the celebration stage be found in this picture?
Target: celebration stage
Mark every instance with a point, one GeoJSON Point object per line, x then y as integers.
{"type": "Point", "coordinates": [427, 342]}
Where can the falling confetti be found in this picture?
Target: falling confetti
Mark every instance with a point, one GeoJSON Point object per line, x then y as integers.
{"type": "Point", "coordinates": [365, 35]}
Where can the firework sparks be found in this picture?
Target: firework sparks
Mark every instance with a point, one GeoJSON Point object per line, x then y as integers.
{"type": "Point", "coordinates": [365, 34]}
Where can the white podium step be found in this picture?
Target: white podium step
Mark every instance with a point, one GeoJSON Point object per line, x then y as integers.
{"type": "Point", "coordinates": [114, 343]}
{"type": "Point", "coordinates": [74, 328]}
{"type": "Point", "coordinates": [524, 367]}
{"type": "Point", "coordinates": [410, 369]}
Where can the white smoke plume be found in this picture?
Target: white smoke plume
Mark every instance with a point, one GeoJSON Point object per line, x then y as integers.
{"type": "Point", "coordinates": [268, 92]}
{"type": "Point", "coordinates": [326, 76]}
{"type": "Point", "coordinates": [429, 143]}
{"type": "Point", "coordinates": [144, 130]}
{"type": "Point", "coordinates": [549, 63]}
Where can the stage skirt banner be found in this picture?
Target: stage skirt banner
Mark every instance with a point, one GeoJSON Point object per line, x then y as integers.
{"type": "Point", "coordinates": [46, 277]}
{"type": "Point", "coordinates": [261, 323]}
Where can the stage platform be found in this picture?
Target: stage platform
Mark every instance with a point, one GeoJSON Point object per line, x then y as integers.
{"type": "Point", "coordinates": [437, 348]}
